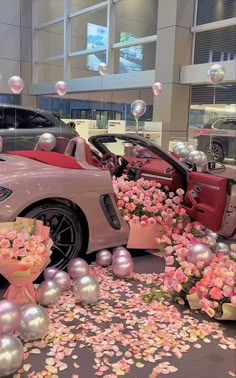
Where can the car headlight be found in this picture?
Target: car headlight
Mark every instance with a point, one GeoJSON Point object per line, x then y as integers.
{"type": "Point", "coordinates": [4, 193]}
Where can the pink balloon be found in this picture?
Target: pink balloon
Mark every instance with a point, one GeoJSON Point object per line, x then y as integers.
{"type": "Point", "coordinates": [16, 84]}
{"type": "Point", "coordinates": [49, 273]}
{"type": "Point", "coordinates": [121, 251]}
{"type": "Point", "coordinates": [62, 279]}
{"type": "Point", "coordinates": [157, 88]}
{"type": "Point", "coordinates": [10, 316]}
{"type": "Point", "coordinates": [104, 258]}
{"type": "Point", "coordinates": [61, 88]}
{"type": "Point", "coordinates": [122, 266]}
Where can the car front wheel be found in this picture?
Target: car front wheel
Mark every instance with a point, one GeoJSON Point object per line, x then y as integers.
{"type": "Point", "coordinates": [66, 231]}
{"type": "Point", "coordinates": [215, 153]}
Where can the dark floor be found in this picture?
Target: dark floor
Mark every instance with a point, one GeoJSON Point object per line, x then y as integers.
{"type": "Point", "coordinates": [208, 362]}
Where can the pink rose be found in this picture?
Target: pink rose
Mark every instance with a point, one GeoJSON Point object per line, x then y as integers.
{"type": "Point", "coordinates": [151, 221]}
{"type": "Point", "coordinates": [30, 245]}
{"type": "Point", "coordinates": [216, 293]}
{"type": "Point", "coordinates": [210, 312]}
{"type": "Point", "coordinates": [170, 260]}
{"type": "Point", "coordinates": [227, 280]}
{"type": "Point", "coordinates": [193, 290]}
{"type": "Point", "coordinates": [205, 304]}
{"type": "Point", "coordinates": [233, 300]}
{"type": "Point", "coordinates": [4, 243]}
{"type": "Point", "coordinates": [41, 248]}
{"type": "Point", "coordinates": [180, 192]}
{"type": "Point", "coordinates": [19, 242]}
{"type": "Point", "coordinates": [177, 200]}
{"type": "Point", "coordinates": [11, 235]}
{"type": "Point", "coordinates": [218, 283]}
{"type": "Point", "coordinates": [177, 287]}
{"type": "Point", "coordinates": [120, 203]}
{"type": "Point", "coordinates": [227, 291]}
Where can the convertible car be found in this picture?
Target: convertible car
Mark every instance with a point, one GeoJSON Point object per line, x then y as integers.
{"type": "Point", "coordinates": [70, 189]}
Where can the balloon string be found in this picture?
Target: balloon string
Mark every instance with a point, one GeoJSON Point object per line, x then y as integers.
{"type": "Point", "coordinates": [214, 101]}
{"type": "Point", "coordinates": [136, 119]}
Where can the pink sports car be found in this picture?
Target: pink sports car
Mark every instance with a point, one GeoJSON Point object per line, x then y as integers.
{"type": "Point", "coordinates": [70, 189]}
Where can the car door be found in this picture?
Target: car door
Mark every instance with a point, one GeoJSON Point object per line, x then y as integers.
{"type": "Point", "coordinates": [8, 123]}
{"type": "Point", "coordinates": [205, 199]}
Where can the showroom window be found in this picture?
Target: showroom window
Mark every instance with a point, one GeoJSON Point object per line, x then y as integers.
{"type": "Point", "coordinates": [215, 10]}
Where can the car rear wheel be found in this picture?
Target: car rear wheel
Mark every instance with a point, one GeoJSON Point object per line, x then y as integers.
{"type": "Point", "coordinates": [215, 153]}
{"type": "Point", "coordinates": [66, 231]}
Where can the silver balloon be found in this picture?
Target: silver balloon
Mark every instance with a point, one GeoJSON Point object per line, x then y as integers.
{"type": "Point", "coordinates": [48, 293]}
{"type": "Point", "coordinates": [204, 157]}
{"type": "Point", "coordinates": [104, 258]}
{"type": "Point", "coordinates": [222, 248]}
{"type": "Point", "coordinates": [211, 241]}
{"type": "Point", "coordinates": [178, 145]}
{"type": "Point", "coordinates": [195, 157]}
{"type": "Point", "coordinates": [103, 69]}
{"type": "Point", "coordinates": [86, 290]}
{"type": "Point", "coordinates": [232, 255]}
{"type": "Point", "coordinates": [49, 272]}
{"type": "Point", "coordinates": [216, 73]}
{"type": "Point", "coordinates": [199, 252]}
{"type": "Point", "coordinates": [62, 279]}
{"type": "Point", "coordinates": [10, 316]}
{"type": "Point", "coordinates": [138, 108]}
{"type": "Point", "coordinates": [34, 323]}
{"type": "Point", "coordinates": [121, 251]}
{"type": "Point", "coordinates": [211, 233]}
{"type": "Point", "coordinates": [11, 355]}
{"type": "Point", "coordinates": [47, 142]}
{"type": "Point", "coordinates": [77, 268]}
{"type": "Point", "coordinates": [191, 147]}
{"type": "Point", "coordinates": [122, 266]}
{"type": "Point", "coordinates": [182, 152]}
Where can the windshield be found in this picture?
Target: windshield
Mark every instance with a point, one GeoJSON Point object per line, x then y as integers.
{"type": "Point", "coordinates": [133, 150]}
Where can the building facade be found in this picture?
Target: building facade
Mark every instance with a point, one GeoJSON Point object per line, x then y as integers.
{"type": "Point", "coordinates": [171, 41]}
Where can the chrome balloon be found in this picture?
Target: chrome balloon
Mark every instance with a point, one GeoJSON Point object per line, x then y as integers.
{"type": "Point", "coordinates": [103, 69]}
{"type": "Point", "coordinates": [138, 108]}
{"type": "Point", "coordinates": [199, 252]}
{"type": "Point", "coordinates": [222, 248]}
{"type": "Point", "coordinates": [157, 88]}
{"type": "Point", "coordinates": [77, 268]}
{"type": "Point", "coordinates": [86, 290]}
{"type": "Point", "coordinates": [11, 355]}
{"type": "Point", "coordinates": [121, 251]}
{"type": "Point", "coordinates": [182, 152]}
{"type": "Point", "coordinates": [211, 241]}
{"type": "Point", "coordinates": [62, 279]}
{"type": "Point", "coordinates": [49, 272]}
{"type": "Point", "coordinates": [48, 293]}
{"type": "Point", "coordinates": [211, 233]}
{"type": "Point", "coordinates": [122, 266]}
{"type": "Point", "coordinates": [61, 88]}
{"type": "Point", "coordinates": [104, 258]}
{"type": "Point", "coordinates": [204, 157]}
{"type": "Point", "coordinates": [216, 73]}
{"type": "Point", "coordinates": [47, 142]}
{"type": "Point", "coordinates": [34, 323]}
{"type": "Point", "coordinates": [232, 255]}
{"type": "Point", "coordinates": [191, 147]}
{"type": "Point", "coordinates": [10, 316]}
{"type": "Point", "coordinates": [195, 157]}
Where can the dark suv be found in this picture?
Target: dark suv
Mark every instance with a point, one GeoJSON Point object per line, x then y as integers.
{"type": "Point", "coordinates": [218, 139]}
{"type": "Point", "coordinates": [21, 127]}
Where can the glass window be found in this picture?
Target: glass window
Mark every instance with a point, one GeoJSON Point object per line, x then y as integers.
{"type": "Point", "coordinates": [215, 10]}
{"type": "Point", "coordinates": [8, 118]}
{"type": "Point", "coordinates": [215, 45]}
{"type": "Point", "coordinates": [50, 10]}
{"type": "Point", "coordinates": [78, 5]}
{"type": "Point", "coordinates": [51, 41]}
{"type": "Point", "coordinates": [229, 125]}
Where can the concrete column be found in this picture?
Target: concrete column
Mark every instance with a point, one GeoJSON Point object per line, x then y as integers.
{"type": "Point", "coordinates": [174, 48]}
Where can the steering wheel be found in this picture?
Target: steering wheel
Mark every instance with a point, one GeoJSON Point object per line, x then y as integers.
{"type": "Point", "coordinates": [109, 161]}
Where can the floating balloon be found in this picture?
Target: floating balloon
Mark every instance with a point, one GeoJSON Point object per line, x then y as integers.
{"type": "Point", "coordinates": [16, 84]}
{"type": "Point", "coordinates": [104, 258]}
{"type": "Point", "coordinates": [138, 108]}
{"type": "Point", "coordinates": [211, 241]}
{"type": "Point", "coordinates": [10, 316]}
{"type": "Point", "coordinates": [121, 251]}
{"type": "Point", "coordinates": [34, 323]}
{"type": "Point", "coordinates": [48, 293]}
{"type": "Point", "coordinates": [62, 279]}
{"type": "Point", "coordinates": [216, 73]}
{"type": "Point", "coordinates": [103, 69]}
{"type": "Point", "coordinates": [157, 88]}
{"type": "Point", "coordinates": [86, 290]}
{"type": "Point", "coordinates": [11, 355]}
{"type": "Point", "coordinates": [199, 252]}
{"type": "Point", "coordinates": [195, 157]}
{"type": "Point", "coordinates": [61, 88]}
{"type": "Point", "coordinates": [47, 142]}
{"type": "Point", "coordinates": [222, 248]}
{"type": "Point", "coordinates": [77, 268]}
{"type": "Point", "coordinates": [122, 266]}
{"type": "Point", "coordinates": [49, 272]}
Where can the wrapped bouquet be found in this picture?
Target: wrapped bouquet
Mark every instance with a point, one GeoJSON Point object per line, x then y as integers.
{"type": "Point", "coordinates": [25, 249]}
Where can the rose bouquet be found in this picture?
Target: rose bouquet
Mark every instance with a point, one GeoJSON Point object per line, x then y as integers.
{"type": "Point", "coordinates": [25, 249]}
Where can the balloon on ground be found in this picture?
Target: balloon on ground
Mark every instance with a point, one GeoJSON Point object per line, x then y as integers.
{"type": "Point", "coordinates": [122, 266]}
{"type": "Point", "coordinates": [34, 323]}
{"type": "Point", "coordinates": [86, 290]}
{"type": "Point", "coordinates": [48, 293]}
{"type": "Point", "coordinates": [104, 258]}
{"type": "Point", "coordinates": [77, 268]}
{"type": "Point", "coordinates": [11, 355]}
{"type": "Point", "coordinates": [10, 316]}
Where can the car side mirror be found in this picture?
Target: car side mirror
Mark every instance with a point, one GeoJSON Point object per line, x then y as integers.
{"type": "Point", "coordinates": [213, 167]}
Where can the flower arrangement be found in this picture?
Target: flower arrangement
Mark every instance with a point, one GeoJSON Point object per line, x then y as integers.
{"type": "Point", "coordinates": [25, 249]}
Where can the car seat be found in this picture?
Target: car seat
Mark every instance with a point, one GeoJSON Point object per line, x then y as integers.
{"type": "Point", "coordinates": [80, 151]}
{"type": "Point", "coordinates": [61, 144]}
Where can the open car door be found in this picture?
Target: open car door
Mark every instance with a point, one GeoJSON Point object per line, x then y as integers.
{"type": "Point", "coordinates": [205, 199]}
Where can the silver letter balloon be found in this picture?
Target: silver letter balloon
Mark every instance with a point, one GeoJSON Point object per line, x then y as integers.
{"type": "Point", "coordinates": [77, 268]}
{"type": "Point", "coordinates": [104, 258]}
{"type": "Point", "coordinates": [199, 252]}
{"type": "Point", "coordinates": [122, 266]}
{"type": "Point", "coordinates": [34, 323]}
{"type": "Point", "coordinates": [86, 290]}
{"type": "Point", "coordinates": [48, 293]}
{"type": "Point", "coordinates": [10, 316]}
{"type": "Point", "coordinates": [11, 355]}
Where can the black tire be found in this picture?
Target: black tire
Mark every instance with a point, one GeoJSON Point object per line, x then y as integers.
{"type": "Point", "coordinates": [215, 153]}
{"type": "Point", "coordinates": [66, 231]}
